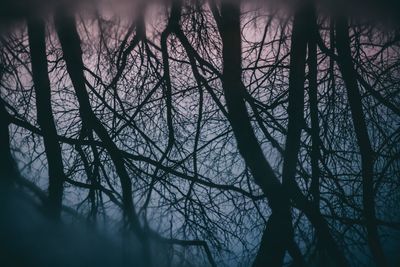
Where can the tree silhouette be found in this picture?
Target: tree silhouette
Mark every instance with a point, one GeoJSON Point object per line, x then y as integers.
{"type": "Point", "coordinates": [200, 133]}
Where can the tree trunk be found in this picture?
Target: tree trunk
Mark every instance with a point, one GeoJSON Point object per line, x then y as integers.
{"type": "Point", "coordinates": [303, 30]}
{"type": "Point", "coordinates": [278, 232]}
{"type": "Point", "coordinates": [301, 33]}
{"type": "Point", "coordinates": [37, 45]}
{"type": "Point", "coordinates": [349, 76]}
{"type": "Point", "coordinates": [313, 102]}
{"type": "Point", "coordinates": [70, 43]}
{"type": "Point", "coordinates": [8, 172]}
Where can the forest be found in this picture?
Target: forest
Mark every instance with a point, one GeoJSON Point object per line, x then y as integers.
{"type": "Point", "coordinates": [180, 133]}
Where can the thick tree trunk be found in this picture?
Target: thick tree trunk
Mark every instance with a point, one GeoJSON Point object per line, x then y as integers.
{"type": "Point", "coordinates": [37, 45]}
{"type": "Point", "coordinates": [70, 43]}
{"type": "Point", "coordinates": [349, 76]}
{"type": "Point", "coordinates": [8, 172]}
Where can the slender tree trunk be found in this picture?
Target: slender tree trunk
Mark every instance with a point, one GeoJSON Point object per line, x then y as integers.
{"type": "Point", "coordinates": [278, 232]}
{"type": "Point", "coordinates": [313, 101]}
{"type": "Point", "coordinates": [280, 227]}
{"type": "Point", "coordinates": [70, 43]}
{"type": "Point", "coordinates": [301, 31]}
{"type": "Point", "coordinates": [172, 25]}
{"type": "Point", "coordinates": [349, 76]}
{"type": "Point", "coordinates": [298, 52]}
{"type": "Point", "coordinates": [315, 129]}
{"type": "Point", "coordinates": [37, 45]}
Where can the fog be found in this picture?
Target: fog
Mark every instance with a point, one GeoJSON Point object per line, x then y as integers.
{"type": "Point", "coordinates": [199, 133]}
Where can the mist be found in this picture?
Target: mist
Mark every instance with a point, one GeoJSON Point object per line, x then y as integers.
{"type": "Point", "coordinates": [199, 133]}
